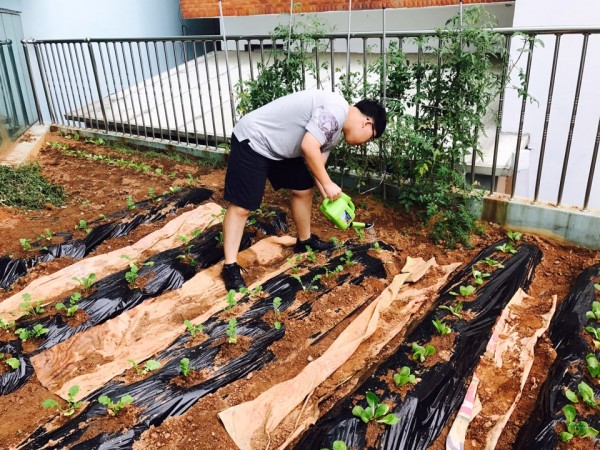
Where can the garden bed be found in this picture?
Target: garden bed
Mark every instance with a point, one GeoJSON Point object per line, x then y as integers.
{"type": "Point", "coordinates": [100, 181]}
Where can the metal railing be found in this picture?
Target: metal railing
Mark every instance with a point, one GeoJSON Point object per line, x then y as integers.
{"type": "Point", "coordinates": [182, 90]}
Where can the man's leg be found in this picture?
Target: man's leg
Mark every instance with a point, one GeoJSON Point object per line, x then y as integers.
{"type": "Point", "coordinates": [301, 204]}
{"type": "Point", "coordinates": [233, 229]}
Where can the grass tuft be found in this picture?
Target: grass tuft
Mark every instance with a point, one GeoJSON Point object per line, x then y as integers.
{"type": "Point", "coordinates": [25, 187]}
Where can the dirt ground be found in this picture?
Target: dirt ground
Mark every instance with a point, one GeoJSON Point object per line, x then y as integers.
{"type": "Point", "coordinates": [95, 188]}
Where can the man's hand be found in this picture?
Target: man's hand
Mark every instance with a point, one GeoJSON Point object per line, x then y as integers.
{"type": "Point", "coordinates": [332, 191]}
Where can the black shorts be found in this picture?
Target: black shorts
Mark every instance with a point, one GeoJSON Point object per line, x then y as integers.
{"type": "Point", "coordinates": [248, 172]}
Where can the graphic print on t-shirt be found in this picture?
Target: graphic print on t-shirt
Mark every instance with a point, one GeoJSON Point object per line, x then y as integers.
{"type": "Point", "coordinates": [327, 123]}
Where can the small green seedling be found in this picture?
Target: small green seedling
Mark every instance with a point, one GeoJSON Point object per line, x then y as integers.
{"type": "Point", "coordinates": [6, 325]}
{"type": "Point", "coordinates": [593, 365]}
{"type": "Point", "coordinates": [256, 292]}
{"type": "Point", "coordinates": [479, 276]}
{"type": "Point", "coordinates": [377, 247]}
{"type": "Point", "coordinates": [420, 353]}
{"type": "Point", "coordinates": [347, 259]}
{"type": "Point", "coordinates": [83, 225]}
{"type": "Point", "coordinates": [130, 203]}
{"type": "Point", "coordinates": [31, 308]}
{"type": "Point", "coordinates": [150, 365]}
{"type": "Point", "coordinates": [86, 282]}
{"type": "Point", "coordinates": [508, 247]}
{"type": "Point", "coordinates": [184, 367]}
{"type": "Point", "coordinates": [71, 310]}
{"type": "Point", "coordinates": [454, 309]}
{"type": "Point", "coordinates": [514, 235]}
{"type": "Point", "coordinates": [594, 314]}
{"type": "Point", "coordinates": [464, 291]}
{"type": "Point", "coordinates": [313, 283]}
{"type": "Point", "coordinates": [25, 244]}
{"type": "Point", "coordinates": [375, 411]}
{"type": "Point", "coordinates": [441, 327]}
{"type": "Point", "coordinates": [404, 376]}
{"type": "Point", "coordinates": [328, 273]}
{"type": "Point", "coordinates": [193, 329]}
{"type": "Point", "coordinates": [597, 286]}
{"type": "Point", "coordinates": [232, 331]}
{"type": "Point", "coordinates": [572, 396]}
{"type": "Point", "coordinates": [132, 274]}
{"type": "Point", "coordinates": [151, 194]}
{"type": "Point", "coordinates": [38, 330]}
{"type": "Point", "coordinates": [493, 263]}
{"type": "Point", "coordinates": [112, 407]}
{"type": "Point", "coordinates": [71, 406]}
{"type": "Point", "coordinates": [337, 445]}
{"type": "Point", "coordinates": [23, 333]}
{"type": "Point", "coordinates": [158, 171]}
{"type": "Point", "coordinates": [594, 331]}
{"type": "Point", "coordinates": [13, 363]}
{"type": "Point", "coordinates": [574, 428]}
{"type": "Point", "coordinates": [587, 395]}
{"type": "Point", "coordinates": [46, 235]}
{"type": "Point", "coordinates": [231, 300]}
{"type": "Point", "coordinates": [276, 305]}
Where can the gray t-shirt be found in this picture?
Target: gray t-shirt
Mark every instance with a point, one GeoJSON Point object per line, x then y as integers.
{"type": "Point", "coordinates": [276, 130]}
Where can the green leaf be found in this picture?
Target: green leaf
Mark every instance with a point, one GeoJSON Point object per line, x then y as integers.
{"type": "Point", "coordinates": [382, 410]}
{"type": "Point", "coordinates": [570, 413]}
{"type": "Point", "coordinates": [126, 400]}
{"type": "Point", "coordinates": [339, 445]}
{"type": "Point", "coordinates": [73, 391]}
{"type": "Point", "coordinates": [14, 363]}
{"type": "Point", "coordinates": [104, 400]}
{"type": "Point", "coordinates": [372, 400]}
{"type": "Point", "coordinates": [564, 436]}
{"type": "Point", "coordinates": [151, 365]}
{"type": "Point", "coordinates": [390, 419]}
{"type": "Point", "coordinates": [572, 396]}
{"type": "Point", "coordinates": [49, 403]}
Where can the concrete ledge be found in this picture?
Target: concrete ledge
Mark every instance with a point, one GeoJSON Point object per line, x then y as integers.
{"type": "Point", "coordinates": [27, 147]}
{"type": "Point", "coordinates": [566, 224]}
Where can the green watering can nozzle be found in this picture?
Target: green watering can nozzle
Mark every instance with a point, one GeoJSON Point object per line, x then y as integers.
{"type": "Point", "coordinates": [365, 225]}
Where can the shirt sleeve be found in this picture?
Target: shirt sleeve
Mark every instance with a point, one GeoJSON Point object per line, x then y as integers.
{"type": "Point", "coordinates": [324, 125]}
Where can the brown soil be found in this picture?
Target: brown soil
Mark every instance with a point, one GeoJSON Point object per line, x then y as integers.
{"type": "Point", "coordinates": [95, 188]}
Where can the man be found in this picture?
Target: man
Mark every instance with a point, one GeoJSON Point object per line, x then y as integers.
{"type": "Point", "coordinates": [287, 142]}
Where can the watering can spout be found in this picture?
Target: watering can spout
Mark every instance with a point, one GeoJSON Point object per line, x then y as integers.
{"type": "Point", "coordinates": [342, 212]}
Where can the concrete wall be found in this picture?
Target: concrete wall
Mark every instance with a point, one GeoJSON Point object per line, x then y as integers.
{"type": "Point", "coordinates": [555, 13]}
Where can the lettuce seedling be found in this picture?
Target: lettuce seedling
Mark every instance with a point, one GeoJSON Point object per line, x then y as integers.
{"type": "Point", "coordinates": [375, 411]}
{"type": "Point", "coordinates": [337, 445]}
{"type": "Point", "coordinates": [572, 396]}
{"type": "Point", "coordinates": [150, 365]}
{"type": "Point", "coordinates": [112, 407]}
{"type": "Point", "coordinates": [231, 301]}
{"type": "Point", "coordinates": [593, 365]}
{"type": "Point", "coordinates": [71, 310]}
{"type": "Point", "coordinates": [86, 282]}
{"type": "Point", "coordinates": [454, 310]}
{"type": "Point", "coordinates": [594, 331]}
{"type": "Point", "coordinates": [276, 305]}
{"type": "Point", "coordinates": [70, 407]}
{"type": "Point", "coordinates": [514, 235]}
{"type": "Point", "coordinates": [597, 286]}
{"type": "Point", "coordinates": [587, 395]}
{"type": "Point", "coordinates": [184, 366]}
{"type": "Point", "coordinates": [420, 353]}
{"type": "Point", "coordinates": [130, 203]}
{"type": "Point", "coordinates": [23, 333]}
{"type": "Point", "coordinates": [132, 274]}
{"type": "Point", "coordinates": [257, 291]}
{"type": "Point", "coordinates": [594, 314]}
{"type": "Point", "coordinates": [232, 331]}
{"type": "Point", "coordinates": [6, 325]}
{"type": "Point", "coordinates": [310, 254]}
{"type": "Point", "coordinates": [329, 273]}
{"type": "Point", "coordinates": [479, 276]}
{"type": "Point", "coordinates": [508, 247]}
{"type": "Point", "coordinates": [25, 243]}
{"type": "Point", "coordinates": [13, 363]}
{"type": "Point", "coordinates": [347, 259]}
{"type": "Point", "coordinates": [83, 225]}
{"type": "Point", "coordinates": [493, 263]}
{"type": "Point", "coordinates": [37, 331]}
{"type": "Point", "coordinates": [441, 327]}
{"type": "Point", "coordinates": [193, 329]}
{"type": "Point", "coordinates": [576, 428]}
{"type": "Point", "coordinates": [377, 247]}
{"type": "Point", "coordinates": [404, 376]}
{"type": "Point", "coordinates": [29, 308]}
{"type": "Point", "coordinates": [464, 291]}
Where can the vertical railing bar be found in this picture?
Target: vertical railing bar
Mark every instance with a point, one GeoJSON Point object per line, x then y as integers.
{"type": "Point", "coordinates": [505, 63]}
{"type": "Point", "coordinates": [229, 88]}
{"type": "Point", "coordinates": [129, 88]}
{"type": "Point", "coordinates": [474, 158]}
{"type": "Point", "coordinates": [13, 63]}
{"type": "Point", "coordinates": [239, 62]}
{"type": "Point", "coordinates": [137, 88]}
{"type": "Point", "coordinates": [5, 90]}
{"type": "Point", "coordinates": [9, 87]}
{"type": "Point", "coordinates": [538, 178]}
{"type": "Point", "coordinates": [112, 74]}
{"type": "Point", "coordinates": [180, 93]}
{"type": "Point", "coordinates": [573, 117]}
{"type": "Point", "coordinates": [62, 98]}
{"type": "Point", "coordinates": [145, 83]}
{"type": "Point", "coordinates": [210, 99]}
{"type": "Point", "coordinates": [200, 93]}
{"type": "Point", "coordinates": [160, 127]}
{"type": "Point", "coordinates": [162, 91]}
{"type": "Point", "coordinates": [522, 117]}
{"type": "Point", "coordinates": [364, 51]}
{"type": "Point", "coordinates": [78, 64]}
{"type": "Point", "coordinates": [96, 80]}
{"type": "Point", "coordinates": [262, 50]}
{"type": "Point", "coordinates": [332, 59]}
{"type": "Point", "coordinates": [189, 86]}
{"type": "Point", "coordinates": [171, 93]}
{"type": "Point", "coordinates": [418, 102]}
{"type": "Point", "coordinates": [436, 112]}
{"type": "Point", "coordinates": [32, 81]}
{"type": "Point", "coordinates": [120, 75]}
{"type": "Point", "coordinates": [108, 90]}
{"type": "Point", "coordinates": [250, 59]}
{"type": "Point", "coordinates": [220, 91]}
{"type": "Point", "coordinates": [83, 103]}
{"type": "Point", "coordinates": [588, 189]}
{"type": "Point", "coordinates": [45, 86]}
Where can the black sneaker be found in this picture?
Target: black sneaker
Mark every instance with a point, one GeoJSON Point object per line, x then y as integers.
{"type": "Point", "coordinates": [232, 277]}
{"type": "Point", "coordinates": [315, 244]}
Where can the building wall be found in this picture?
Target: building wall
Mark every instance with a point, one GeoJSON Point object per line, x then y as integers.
{"type": "Point", "coordinates": [210, 8]}
{"type": "Point", "coordinates": [554, 13]}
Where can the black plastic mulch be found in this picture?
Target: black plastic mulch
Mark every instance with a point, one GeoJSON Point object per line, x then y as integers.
{"type": "Point", "coordinates": [157, 398]}
{"type": "Point", "coordinates": [124, 222]}
{"type": "Point", "coordinates": [429, 404]}
{"type": "Point", "coordinates": [541, 431]}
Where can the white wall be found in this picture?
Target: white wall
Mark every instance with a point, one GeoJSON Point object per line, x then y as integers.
{"type": "Point", "coordinates": [555, 13]}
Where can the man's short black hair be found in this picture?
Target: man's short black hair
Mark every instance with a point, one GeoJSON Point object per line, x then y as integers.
{"type": "Point", "coordinates": [375, 111]}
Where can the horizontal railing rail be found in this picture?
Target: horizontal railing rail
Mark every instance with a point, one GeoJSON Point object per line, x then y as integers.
{"type": "Point", "coordinates": [183, 90]}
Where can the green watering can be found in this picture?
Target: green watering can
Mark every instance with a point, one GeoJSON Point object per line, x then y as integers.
{"type": "Point", "coordinates": [342, 212]}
